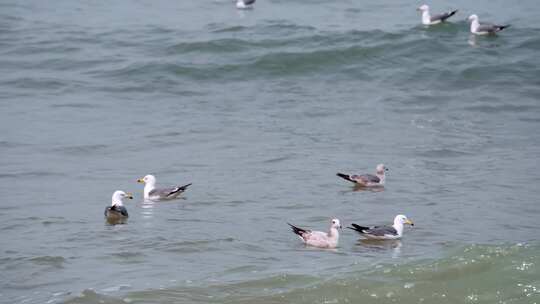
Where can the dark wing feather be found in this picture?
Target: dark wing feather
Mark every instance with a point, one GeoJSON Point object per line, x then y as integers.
{"type": "Point", "coordinates": [118, 210]}
{"type": "Point", "coordinates": [345, 177]}
{"type": "Point", "coordinates": [443, 16]}
{"type": "Point", "coordinates": [298, 230]}
{"type": "Point", "coordinates": [180, 189]}
{"type": "Point", "coordinates": [376, 231]}
{"type": "Point", "coordinates": [168, 191]}
{"type": "Point", "coordinates": [121, 209]}
{"type": "Point", "coordinates": [358, 228]}
{"type": "Point", "coordinates": [491, 28]}
{"type": "Point", "coordinates": [382, 231]}
{"type": "Point", "coordinates": [249, 2]}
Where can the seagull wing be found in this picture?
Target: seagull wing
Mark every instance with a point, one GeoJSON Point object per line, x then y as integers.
{"type": "Point", "coordinates": [443, 16]}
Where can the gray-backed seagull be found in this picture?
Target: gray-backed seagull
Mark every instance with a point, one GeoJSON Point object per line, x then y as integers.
{"type": "Point", "coordinates": [384, 232]}
{"type": "Point", "coordinates": [153, 193]}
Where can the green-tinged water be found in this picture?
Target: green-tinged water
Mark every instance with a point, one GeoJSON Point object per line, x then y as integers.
{"type": "Point", "coordinates": [472, 274]}
{"type": "Point", "coordinates": [259, 110]}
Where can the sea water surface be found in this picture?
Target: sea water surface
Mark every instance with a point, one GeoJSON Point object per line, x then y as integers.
{"type": "Point", "coordinates": [259, 109]}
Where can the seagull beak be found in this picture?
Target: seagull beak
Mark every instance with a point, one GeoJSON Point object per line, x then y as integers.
{"type": "Point", "coordinates": [129, 195]}
{"type": "Point", "coordinates": [409, 222]}
{"type": "Point", "coordinates": [140, 180]}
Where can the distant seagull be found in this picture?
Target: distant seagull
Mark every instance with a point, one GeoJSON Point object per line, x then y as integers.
{"type": "Point", "coordinates": [367, 180]}
{"type": "Point", "coordinates": [152, 193]}
{"type": "Point", "coordinates": [244, 4]}
{"type": "Point", "coordinates": [427, 19]}
{"type": "Point", "coordinates": [484, 29]}
{"type": "Point", "coordinates": [384, 232]}
{"type": "Point", "coordinates": [117, 211]}
{"type": "Point", "coordinates": [318, 238]}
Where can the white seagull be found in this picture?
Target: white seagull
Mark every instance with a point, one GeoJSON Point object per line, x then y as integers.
{"type": "Point", "coordinates": [153, 193]}
{"type": "Point", "coordinates": [484, 29]}
{"type": "Point", "coordinates": [427, 19]}
{"type": "Point", "coordinates": [244, 4]}
{"type": "Point", "coordinates": [384, 232]}
{"type": "Point", "coordinates": [367, 180]}
{"type": "Point", "coordinates": [117, 211]}
{"type": "Point", "coordinates": [318, 238]}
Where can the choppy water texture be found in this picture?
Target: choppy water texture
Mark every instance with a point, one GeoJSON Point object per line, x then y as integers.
{"type": "Point", "coordinates": [260, 109]}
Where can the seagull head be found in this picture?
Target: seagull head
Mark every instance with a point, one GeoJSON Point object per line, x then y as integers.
{"type": "Point", "coordinates": [472, 18]}
{"type": "Point", "coordinates": [119, 195]}
{"type": "Point", "coordinates": [336, 224]}
{"type": "Point", "coordinates": [423, 8]}
{"type": "Point", "coordinates": [148, 179]}
{"type": "Point", "coordinates": [381, 168]}
{"type": "Point", "coordinates": [401, 220]}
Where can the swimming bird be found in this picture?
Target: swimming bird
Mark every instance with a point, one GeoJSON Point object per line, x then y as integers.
{"type": "Point", "coordinates": [384, 232]}
{"type": "Point", "coordinates": [427, 19]}
{"type": "Point", "coordinates": [367, 180]}
{"type": "Point", "coordinates": [153, 193]}
{"type": "Point", "coordinates": [117, 211]}
{"type": "Point", "coordinates": [244, 4]}
{"type": "Point", "coordinates": [318, 238]}
{"type": "Point", "coordinates": [486, 28]}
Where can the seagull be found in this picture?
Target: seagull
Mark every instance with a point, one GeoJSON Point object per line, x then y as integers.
{"type": "Point", "coordinates": [427, 19]}
{"type": "Point", "coordinates": [384, 232]}
{"type": "Point", "coordinates": [367, 180]}
{"type": "Point", "coordinates": [318, 238]}
{"type": "Point", "coordinates": [152, 193]}
{"type": "Point", "coordinates": [484, 29]}
{"type": "Point", "coordinates": [244, 4]}
{"type": "Point", "coordinates": [116, 211]}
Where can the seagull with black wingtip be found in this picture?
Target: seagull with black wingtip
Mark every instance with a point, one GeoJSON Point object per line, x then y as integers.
{"type": "Point", "coordinates": [153, 193]}
{"type": "Point", "coordinates": [367, 180]}
{"type": "Point", "coordinates": [486, 28]}
{"type": "Point", "coordinates": [427, 19]}
{"type": "Point", "coordinates": [319, 239]}
{"type": "Point", "coordinates": [393, 232]}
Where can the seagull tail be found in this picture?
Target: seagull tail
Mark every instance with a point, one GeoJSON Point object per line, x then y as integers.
{"type": "Point", "coordinates": [345, 177]}
{"type": "Point", "coordinates": [297, 230]}
{"type": "Point", "coordinates": [502, 27]}
{"type": "Point", "coordinates": [452, 13]}
{"type": "Point", "coordinates": [358, 228]}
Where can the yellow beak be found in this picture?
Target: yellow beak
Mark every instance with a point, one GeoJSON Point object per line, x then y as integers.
{"type": "Point", "coordinates": [140, 180]}
{"type": "Point", "coordinates": [409, 222]}
{"type": "Point", "coordinates": [129, 195]}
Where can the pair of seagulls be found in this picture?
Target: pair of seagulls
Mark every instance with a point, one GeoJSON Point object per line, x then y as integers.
{"type": "Point", "coordinates": [330, 239]}
{"type": "Point", "coordinates": [476, 27]}
{"type": "Point", "coordinates": [117, 211]}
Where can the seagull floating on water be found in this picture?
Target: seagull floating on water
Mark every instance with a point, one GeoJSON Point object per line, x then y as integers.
{"type": "Point", "coordinates": [117, 211]}
{"type": "Point", "coordinates": [367, 180]}
{"type": "Point", "coordinates": [244, 4]}
{"type": "Point", "coordinates": [486, 28]}
{"type": "Point", "coordinates": [318, 238]}
{"type": "Point", "coordinates": [427, 19]}
{"type": "Point", "coordinates": [153, 193]}
{"type": "Point", "coordinates": [384, 232]}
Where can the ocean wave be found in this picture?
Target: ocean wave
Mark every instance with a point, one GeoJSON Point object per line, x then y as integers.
{"type": "Point", "coordinates": [471, 274]}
